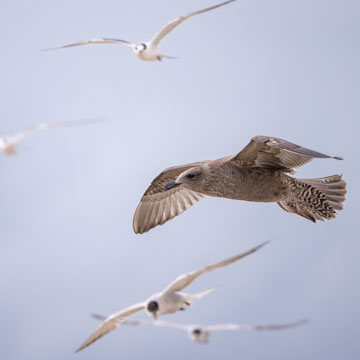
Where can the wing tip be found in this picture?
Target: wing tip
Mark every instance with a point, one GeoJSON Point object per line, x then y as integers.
{"type": "Point", "coordinates": [262, 245]}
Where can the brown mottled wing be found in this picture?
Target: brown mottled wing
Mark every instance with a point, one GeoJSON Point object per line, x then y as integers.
{"type": "Point", "coordinates": [185, 280]}
{"type": "Point", "coordinates": [274, 153]}
{"type": "Point", "coordinates": [158, 205]}
{"type": "Point", "coordinates": [111, 323]}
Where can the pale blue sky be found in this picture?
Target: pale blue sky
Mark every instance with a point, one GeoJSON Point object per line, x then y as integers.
{"type": "Point", "coordinates": [283, 68]}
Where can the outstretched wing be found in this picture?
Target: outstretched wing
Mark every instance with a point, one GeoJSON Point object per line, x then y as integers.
{"type": "Point", "coordinates": [222, 327]}
{"type": "Point", "coordinates": [147, 322]}
{"type": "Point", "coordinates": [174, 23]}
{"type": "Point", "coordinates": [125, 322]}
{"type": "Point", "coordinates": [159, 205]}
{"type": "Point", "coordinates": [111, 323]}
{"type": "Point", "coordinates": [185, 280]}
{"type": "Point", "coordinates": [92, 41]}
{"type": "Point", "coordinates": [51, 125]}
{"type": "Point", "coordinates": [274, 153]}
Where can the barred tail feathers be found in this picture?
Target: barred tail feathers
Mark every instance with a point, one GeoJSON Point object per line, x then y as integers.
{"type": "Point", "coordinates": [316, 199]}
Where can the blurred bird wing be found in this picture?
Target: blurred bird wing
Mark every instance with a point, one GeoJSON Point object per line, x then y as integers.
{"type": "Point", "coordinates": [111, 323]}
{"type": "Point", "coordinates": [222, 327]}
{"type": "Point", "coordinates": [147, 322]}
{"type": "Point", "coordinates": [171, 325]}
{"type": "Point", "coordinates": [185, 280]}
{"type": "Point", "coordinates": [274, 153]}
{"type": "Point", "coordinates": [92, 41]}
{"type": "Point", "coordinates": [159, 205]}
{"type": "Point", "coordinates": [51, 125]}
{"type": "Point", "coordinates": [30, 131]}
{"type": "Point", "coordinates": [174, 23]}
{"type": "Point", "coordinates": [251, 327]}
{"type": "Point", "coordinates": [125, 322]}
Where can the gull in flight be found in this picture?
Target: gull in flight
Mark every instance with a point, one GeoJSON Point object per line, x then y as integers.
{"type": "Point", "coordinates": [9, 143]}
{"type": "Point", "coordinates": [257, 173]}
{"type": "Point", "coordinates": [148, 50]}
{"type": "Point", "coordinates": [169, 301]}
{"type": "Point", "coordinates": [201, 333]}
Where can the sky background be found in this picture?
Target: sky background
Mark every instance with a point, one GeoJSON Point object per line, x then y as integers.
{"type": "Point", "coordinates": [283, 68]}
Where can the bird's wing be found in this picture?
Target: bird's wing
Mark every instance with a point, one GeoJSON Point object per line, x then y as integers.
{"type": "Point", "coordinates": [98, 317]}
{"type": "Point", "coordinates": [29, 131]}
{"type": "Point", "coordinates": [92, 41]}
{"type": "Point", "coordinates": [51, 125]}
{"type": "Point", "coordinates": [125, 322]}
{"type": "Point", "coordinates": [146, 322]}
{"type": "Point", "coordinates": [185, 280]}
{"type": "Point", "coordinates": [251, 327]}
{"type": "Point", "coordinates": [274, 153]}
{"type": "Point", "coordinates": [159, 205]}
{"type": "Point", "coordinates": [111, 323]}
{"type": "Point", "coordinates": [174, 23]}
{"type": "Point", "coordinates": [171, 325]}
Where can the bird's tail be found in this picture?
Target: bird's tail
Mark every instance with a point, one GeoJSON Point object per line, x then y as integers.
{"type": "Point", "coordinates": [169, 57]}
{"type": "Point", "coordinates": [199, 295]}
{"type": "Point", "coordinates": [316, 199]}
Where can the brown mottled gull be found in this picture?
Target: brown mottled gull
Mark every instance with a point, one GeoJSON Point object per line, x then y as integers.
{"type": "Point", "coordinates": [257, 173]}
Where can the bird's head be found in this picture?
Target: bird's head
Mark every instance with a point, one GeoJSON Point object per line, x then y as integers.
{"type": "Point", "coordinates": [152, 308]}
{"type": "Point", "coordinates": [192, 179]}
{"type": "Point", "coordinates": [139, 48]}
{"type": "Point", "coordinates": [198, 335]}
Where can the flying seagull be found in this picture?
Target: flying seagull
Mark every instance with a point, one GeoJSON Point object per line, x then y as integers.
{"type": "Point", "coordinates": [257, 173]}
{"type": "Point", "coordinates": [201, 333]}
{"type": "Point", "coordinates": [9, 143]}
{"type": "Point", "coordinates": [147, 50]}
{"type": "Point", "coordinates": [168, 301]}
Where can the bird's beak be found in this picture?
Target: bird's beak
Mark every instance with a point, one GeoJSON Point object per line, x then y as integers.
{"type": "Point", "coordinates": [171, 185]}
{"type": "Point", "coordinates": [154, 315]}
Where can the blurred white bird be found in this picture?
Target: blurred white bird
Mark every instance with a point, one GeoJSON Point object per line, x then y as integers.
{"type": "Point", "coordinates": [148, 50]}
{"type": "Point", "coordinates": [168, 301]}
{"type": "Point", "coordinates": [9, 143]}
{"type": "Point", "coordinates": [201, 333]}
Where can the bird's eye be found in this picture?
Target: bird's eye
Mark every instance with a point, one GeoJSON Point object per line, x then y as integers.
{"type": "Point", "coordinates": [190, 176]}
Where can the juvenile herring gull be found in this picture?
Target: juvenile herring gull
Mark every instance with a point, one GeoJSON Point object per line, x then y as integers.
{"type": "Point", "coordinates": [168, 301]}
{"type": "Point", "coordinates": [257, 173]}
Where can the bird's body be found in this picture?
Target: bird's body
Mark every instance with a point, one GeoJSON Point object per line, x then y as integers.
{"type": "Point", "coordinates": [225, 179]}
{"type": "Point", "coordinates": [8, 146]}
{"type": "Point", "coordinates": [198, 334]}
{"type": "Point", "coordinates": [147, 50]}
{"type": "Point", "coordinates": [167, 304]}
{"type": "Point", "coordinates": [258, 173]}
{"type": "Point", "coordinates": [168, 301]}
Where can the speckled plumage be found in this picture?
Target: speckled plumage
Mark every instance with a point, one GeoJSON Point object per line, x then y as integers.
{"type": "Point", "coordinates": [257, 173]}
